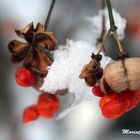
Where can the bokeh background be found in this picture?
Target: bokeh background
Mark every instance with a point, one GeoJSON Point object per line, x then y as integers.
{"type": "Point", "coordinates": [86, 122]}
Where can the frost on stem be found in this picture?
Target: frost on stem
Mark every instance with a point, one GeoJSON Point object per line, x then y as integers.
{"type": "Point", "coordinates": [65, 70]}
{"type": "Point", "coordinates": [96, 22]}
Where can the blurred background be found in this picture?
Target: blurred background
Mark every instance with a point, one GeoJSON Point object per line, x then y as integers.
{"type": "Point", "coordinates": [67, 21]}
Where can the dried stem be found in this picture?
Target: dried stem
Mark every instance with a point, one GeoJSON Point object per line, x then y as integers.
{"type": "Point", "coordinates": [118, 41]}
{"type": "Point", "coordinates": [113, 27]}
{"type": "Point", "coordinates": [104, 40]}
{"type": "Point", "coordinates": [49, 14]}
{"type": "Point", "coordinates": [111, 17]}
{"type": "Point", "coordinates": [100, 39]}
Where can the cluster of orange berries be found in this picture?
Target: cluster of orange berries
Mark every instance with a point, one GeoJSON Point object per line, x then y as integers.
{"type": "Point", "coordinates": [114, 105]}
{"type": "Point", "coordinates": [47, 105]}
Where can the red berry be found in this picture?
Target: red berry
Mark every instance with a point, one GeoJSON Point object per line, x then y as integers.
{"type": "Point", "coordinates": [30, 114]}
{"type": "Point", "coordinates": [113, 105]}
{"type": "Point", "coordinates": [137, 94]}
{"type": "Point", "coordinates": [24, 77]}
{"type": "Point", "coordinates": [134, 29]}
{"type": "Point", "coordinates": [107, 98]}
{"type": "Point", "coordinates": [116, 104]}
{"type": "Point", "coordinates": [96, 90]}
{"type": "Point", "coordinates": [133, 97]}
{"type": "Point", "coordinates": [48, 105]}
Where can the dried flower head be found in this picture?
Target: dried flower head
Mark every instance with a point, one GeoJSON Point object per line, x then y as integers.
{"type": "Point", "coordinates": [32, 53]}
{"type": "Point", "coordinates": [92, 71]}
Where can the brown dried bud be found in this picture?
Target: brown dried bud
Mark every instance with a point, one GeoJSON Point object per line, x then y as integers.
{"type": "Point", "coordinates": [91, 72]}
{"type": "Point", "coordinates": [121, 75]}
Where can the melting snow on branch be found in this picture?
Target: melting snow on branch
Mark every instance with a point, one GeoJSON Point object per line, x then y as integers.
{"type": "Point", "coordinates": [96, 22]}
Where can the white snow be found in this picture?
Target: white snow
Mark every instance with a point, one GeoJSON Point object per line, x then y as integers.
{"type": "Point", "coordinates": [64, 72]}
{"type": "Point", "coordinates": [96, 22]}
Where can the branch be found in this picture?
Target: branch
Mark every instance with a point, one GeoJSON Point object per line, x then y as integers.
{"type": "Point", "coordinates": [100, 39]}
{"type": "Point", "coordinates": [49, 14]}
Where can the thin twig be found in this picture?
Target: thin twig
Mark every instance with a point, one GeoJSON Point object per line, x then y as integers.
{"type": "Point", "coordinates": [100, 39]}
{"type": "Point", "coordinates": [118, 41]}
{"type": "Point", "coordinates": [49, 14]}
{"type": "Point", "coordinates": [111, 17]}
{"type": "Point", "coordinates": [113, 27]}
{"type": "Point", "coordinates": [104, 41]}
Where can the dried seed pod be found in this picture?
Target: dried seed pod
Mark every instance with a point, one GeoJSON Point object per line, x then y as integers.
{"type": "Point", "coordinates": [92, 71]}
{"type": "Point", "coordinates": [33, 52]}
{"type": "Point", "coordinates": [121, 75]}
{"type": "Point", "coordinates": [38, 62]}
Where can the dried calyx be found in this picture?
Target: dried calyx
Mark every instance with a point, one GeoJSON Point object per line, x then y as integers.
{"type": "Point", "coordinates": [92, 72]}
{"type": "Point", "coordinates": [33, 52]}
